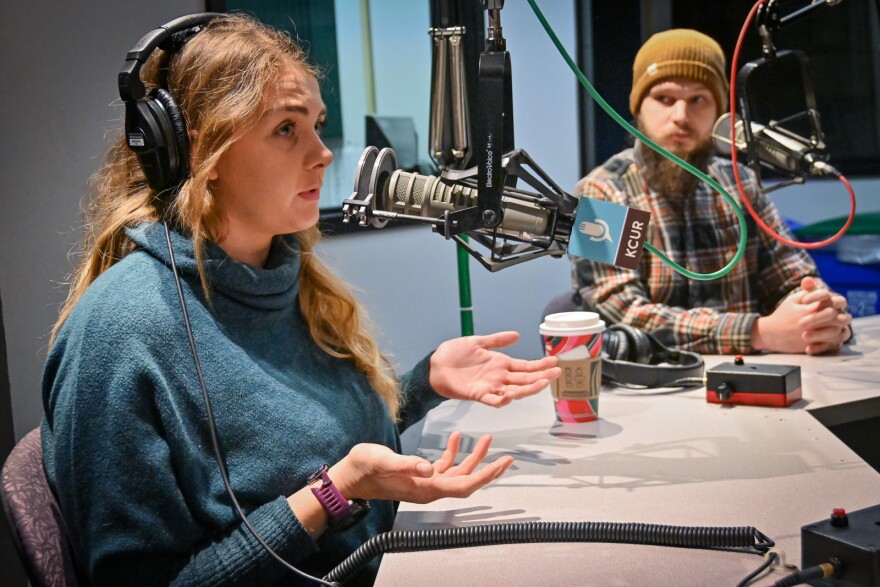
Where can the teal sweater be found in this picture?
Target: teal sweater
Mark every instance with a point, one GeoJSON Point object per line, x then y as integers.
{"type": "Point", "coordinates": [125, 437]}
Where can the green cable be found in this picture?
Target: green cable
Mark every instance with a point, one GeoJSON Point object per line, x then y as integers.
{"type": "Point", "coordinates": [636, 133]}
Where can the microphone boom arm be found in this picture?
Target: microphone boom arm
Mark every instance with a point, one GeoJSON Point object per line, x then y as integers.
{"type": "Point", "coordinates": [769, 20]}
{"type": "Point", "coordinates": [494, 122]}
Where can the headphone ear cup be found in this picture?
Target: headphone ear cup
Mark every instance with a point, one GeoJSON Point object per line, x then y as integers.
{"type": "Point", "coordinates": [625, 343]}
{"type": "Point", "coordinates": [640, 346]}
{"type": "Point", "coordinates": [178, 141]}
{"type": "Point", "coordinates": [614, 345]}
{"type": "Point", "coordinates": [156, 132]}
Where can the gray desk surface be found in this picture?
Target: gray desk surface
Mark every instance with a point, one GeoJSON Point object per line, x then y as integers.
{"type": "Point", "coordinates": [653, 457]}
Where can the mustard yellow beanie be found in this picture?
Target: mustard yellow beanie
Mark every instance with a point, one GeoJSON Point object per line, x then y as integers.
{"type": "Point", "coordinates": [679, 53]}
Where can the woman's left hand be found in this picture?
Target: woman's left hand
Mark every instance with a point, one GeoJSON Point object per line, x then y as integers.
{"type": "Point", "coordinates": [467, 368]}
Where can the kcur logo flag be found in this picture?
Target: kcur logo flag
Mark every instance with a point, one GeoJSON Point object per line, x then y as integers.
{"type": "Point", "coordinates": [609, 233]}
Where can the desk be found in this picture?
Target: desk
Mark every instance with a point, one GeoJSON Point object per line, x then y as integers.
{"type": "Point", "coordinates": [659, 458]}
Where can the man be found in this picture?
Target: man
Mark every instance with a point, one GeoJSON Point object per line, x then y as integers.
{"type": "Point", "coordinates": [773, 299]}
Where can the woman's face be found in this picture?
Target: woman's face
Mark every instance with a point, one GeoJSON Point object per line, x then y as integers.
{"type": "Point", "coordinates": [268, 182]}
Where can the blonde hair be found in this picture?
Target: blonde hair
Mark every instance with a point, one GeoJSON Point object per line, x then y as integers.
{"type": "Point", "coordinates": [219, 81]}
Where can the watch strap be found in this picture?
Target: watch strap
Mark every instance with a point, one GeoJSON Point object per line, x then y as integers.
{"type": "Point", "coordinates": [333, 502]}
{"type": "Point", "coordinates": [342, 513]}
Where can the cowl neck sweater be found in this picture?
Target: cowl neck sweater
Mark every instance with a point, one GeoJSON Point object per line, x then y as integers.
{"type": "Point", "coordinates": [125, 439]}
{"type": "Point", "coordinates": [273, 287]}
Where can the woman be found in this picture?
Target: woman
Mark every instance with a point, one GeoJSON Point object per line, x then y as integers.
{"type": "Point", "coordinates": [295, 379]}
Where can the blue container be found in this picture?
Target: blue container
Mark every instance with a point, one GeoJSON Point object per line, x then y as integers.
{"type": "Point", "coordinates": [850, 266]}
{"type": "Point", "coordinates": [859, 283]}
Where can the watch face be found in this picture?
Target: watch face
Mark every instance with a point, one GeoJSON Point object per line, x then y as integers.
{"type": "Point", "coordinates": [321, 473]}
{"type": "Point", "coordinates": [359, 509]}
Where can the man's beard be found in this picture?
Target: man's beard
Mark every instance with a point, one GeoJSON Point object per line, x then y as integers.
{"type": "Point", "coordinates": [667, 177]}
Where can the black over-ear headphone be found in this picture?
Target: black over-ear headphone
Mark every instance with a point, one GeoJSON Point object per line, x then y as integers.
{"type": "Point", "coordinates": [154, 126]}
{"type": "Point", "coordinates": [632, 357]}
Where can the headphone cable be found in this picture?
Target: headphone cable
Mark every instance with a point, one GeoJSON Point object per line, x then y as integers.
{"type": "Point", "coordinates": [687, 382]}
{"type": "Point", "coordinates": [684, 383]}
{"type": "Point", "coordinates": [212, 427]}
{"type": "Point", "coordinates": [772, 558]}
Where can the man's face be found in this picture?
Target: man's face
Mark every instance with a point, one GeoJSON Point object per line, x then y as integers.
{"type": "Point", "coordinates": [678, 114]}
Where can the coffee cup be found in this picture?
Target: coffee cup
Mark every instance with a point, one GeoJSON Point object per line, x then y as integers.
{"type": "Point", "coordinates": [575, 338]}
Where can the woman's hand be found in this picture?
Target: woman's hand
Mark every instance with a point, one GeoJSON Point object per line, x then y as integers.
{"type": "Point", "coordinates": [467, 368]}
{"type": "Point", "coordinates": [373, 471]}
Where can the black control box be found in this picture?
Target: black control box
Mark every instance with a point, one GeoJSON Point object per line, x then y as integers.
{"type": "Point", "coordinates": [853, 538]}
{"type": "Point", "coordinates": [753, 384]}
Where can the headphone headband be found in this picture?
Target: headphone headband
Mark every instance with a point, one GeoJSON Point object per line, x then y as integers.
{"type": "Point", "coordinates": [131, 87]}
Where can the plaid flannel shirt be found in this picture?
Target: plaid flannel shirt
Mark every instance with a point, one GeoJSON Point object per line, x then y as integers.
{"type": "Point", "coordinates": [713, 317]}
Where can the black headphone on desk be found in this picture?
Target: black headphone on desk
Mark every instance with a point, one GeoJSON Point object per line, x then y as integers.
{"type": "Point", "coordinates": [154, 125]}
{"type": "Point", "coordinates": [633, 357]}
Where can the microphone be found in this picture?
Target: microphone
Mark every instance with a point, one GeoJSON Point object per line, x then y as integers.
{"type": "Point", "coordinates": [533, 224]}
{"type": "Point", "coordinates": [429, 196]}
{"type": "Point", "coordinates": [774, 147]}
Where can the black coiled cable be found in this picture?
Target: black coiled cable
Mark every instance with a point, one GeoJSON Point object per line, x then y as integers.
{"type": "Point", "coordinates": [740, 539]}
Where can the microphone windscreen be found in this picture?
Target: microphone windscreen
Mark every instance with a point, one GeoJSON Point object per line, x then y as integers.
{"type": "Point", "coordinates": [721, 134]}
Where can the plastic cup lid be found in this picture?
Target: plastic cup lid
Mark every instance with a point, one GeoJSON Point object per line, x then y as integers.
{"type": "Point", "coordinates": [572, 323]}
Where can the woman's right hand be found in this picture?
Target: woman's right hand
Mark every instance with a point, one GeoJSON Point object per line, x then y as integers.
{"type": "Point", "coordinates": [373, 471]}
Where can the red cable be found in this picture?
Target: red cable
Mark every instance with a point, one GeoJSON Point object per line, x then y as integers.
{"type": "Point", "coordinates": [742, 192]}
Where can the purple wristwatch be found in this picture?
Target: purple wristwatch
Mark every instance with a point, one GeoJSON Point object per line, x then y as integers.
{"type": "Point", "coordinates": [342, 513]}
